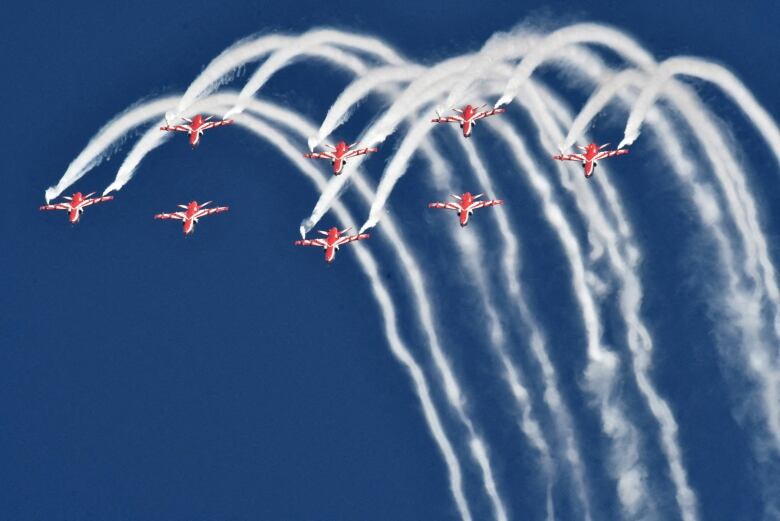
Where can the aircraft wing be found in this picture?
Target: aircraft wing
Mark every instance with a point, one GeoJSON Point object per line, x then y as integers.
{"type": "Point", "coordinates": [312, 242]}
{"type": "Point", "coordinates": [345, 240]}
{"type": "Point", "coordinates": [447, 119]}
{"type": "Point", "coordinates": [570, 157]}
{"type": "Point", "coordinates": [209, 211]}
{"type": "Point", "coordinates": [95, 200]}
{"type": "Point", "coordinates": [212, 124]}
{"type": "Point", "coordinates": [445, 206]}
{"type": "Point", "coordinates": [176, 128]}
{"type": "Point", "coordinates": [610, 153]}
{"type": "Point", "coordinates": [175, 215]}
{"type": "Point", "coordinates": [484, 204]}
{"type": "Point", "coordinates": [319, 155]}
{"type": "Point", "coordinates": [360, 152]}
{"type": "Point", "coordinates": [487, 113]}
{"type": "Point", "coordinates": [58, 206]}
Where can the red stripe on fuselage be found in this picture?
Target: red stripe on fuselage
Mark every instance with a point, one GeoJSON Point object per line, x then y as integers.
{"type": "Point", "coordinates": [589, 166]}
{"type": "Point", "coordinates": [338, 166]}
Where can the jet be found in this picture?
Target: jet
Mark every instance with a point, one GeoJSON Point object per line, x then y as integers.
{"type": "Point", "coordinates": [196, 126]}
{"type": "Point", "coordinates": [75, 204]}
{"type": "Point", "coordinates": [192, 212]}
{"type": "Point", "coordinates": [468, 117]}
{"type": "Point", "coordinates": [592, 153]}
{"type": "Point", "coordinates": [341, 152]}
{"type": "Point", "coordinates": [466, 205]}
{"type": "Point", "coordinates": [333, 239]}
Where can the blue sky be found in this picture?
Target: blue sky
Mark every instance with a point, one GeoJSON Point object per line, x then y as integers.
{"type": "Point", "coordinates": [230, 375]}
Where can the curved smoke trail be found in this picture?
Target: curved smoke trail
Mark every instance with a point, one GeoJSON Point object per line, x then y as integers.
{"type": "Point", "coordinates": [751, 280]}
{"type": "Point", "coordinates": [154, 138]}
{"type": "Point", "coordinates": [302, 45]}
{"type": "Point", "coordinates": [714, 73]}
{"type": "Point", "coordinates": [741, 207]}
{"type": "Point", "coordinates": [381, 294]}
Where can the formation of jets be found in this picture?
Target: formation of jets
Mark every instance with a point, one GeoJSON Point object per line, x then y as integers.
{"type": "Point", "coordinates": [463, 204]}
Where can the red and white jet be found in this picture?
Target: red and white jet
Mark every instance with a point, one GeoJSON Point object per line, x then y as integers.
{"type": "Point", "coordinates": [333, 239]}
{"type": "Point", "coordinates": [468, 117]}
{"type": "Point", "coordinates": [341, 152]}
{"type": "Point", "coordinates": [466, 205]}
{"type": "Point", "coordinates": [75, 204]}
{"type": "Point", "coordinates": [592, 153]}
{"type": "Point", "coordinates": [192, 212]}
{"type": "Point", "coordinates": [196, 126]}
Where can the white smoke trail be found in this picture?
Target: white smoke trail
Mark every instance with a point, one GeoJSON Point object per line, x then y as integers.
{"type": "Point", "coordinates": [107, 137]}
{"type": "Point", "coordinates": [302, 45]}
{"type": "Point", "coordinates": [395, 170]}
{"type": "Point", "coordinates": [552, 396]}
{"type": "Point", "coordinates": [632, 493]}
{"type": "Point", "coordinates": [419, 93]}
{"type": "Point", "coordinates": [494, 52]}
{"type": "Point", "coordinates": [348, 98]}
{"type": "Point", "coordinates": [154, 137]}
{"type": "Point", "coordinates": [453, 391]}
{"type": "Point", "coordinates": [714, 73]}
{"type": "Point", "coordinates": [596, 103]}
{"type": "Point", "coordinates": [601, 372]}
{"type": "Point", "coordinates": [452, 388]}
{"type": "Point", "coordinates": [471, 254]}
{"type": "Point", "coordinates": [639, 339]}
{"type": "Point", "coordinates": [416, 282]}
{"type": "Point", "coordinates": [369, 265]}
{"type": "Point", "coordinates": [356, 91]}
{"type": "Point", "coordinates": [742, 208]}
{"type": "Point", "coordinates": [741, 204]}
{"type": "Point", "coordinates": [220, 69]}
{"type": "Point", "coordinates": [571, 35]}
{"type": "Point", "coordinates": [117, 129]}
